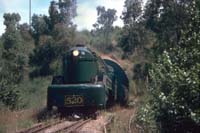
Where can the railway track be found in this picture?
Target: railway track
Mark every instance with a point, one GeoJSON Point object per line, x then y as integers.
{"type": "Point", "coordinates": [40, 127]}
{"type": "Point", "coordinates": [75, 127]}
{"type": "Point", "coordinates": [67, 128]}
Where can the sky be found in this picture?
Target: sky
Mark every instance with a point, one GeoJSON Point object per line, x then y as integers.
{"type": "Point", "coordinates": [86, 10]}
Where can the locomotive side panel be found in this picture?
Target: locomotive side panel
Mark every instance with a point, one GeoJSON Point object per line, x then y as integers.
{"type": "Point", "coordinates": [122, 81]}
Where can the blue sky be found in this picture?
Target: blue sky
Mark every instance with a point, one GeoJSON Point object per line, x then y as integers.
{"type": "Point", "coordinates": [86, 10]}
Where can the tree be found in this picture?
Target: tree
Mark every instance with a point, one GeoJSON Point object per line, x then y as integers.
{"type": "Point", "coordinates": [62, 12]}
{"type": "Point", "coordinates": [104, 26]}
{"type": "Point", "coordinates": [42, 57]}
{"type": "Point", "coordinates": [134, 34]}
{"type": "Point", "coordinates": [25, 32]}
{"type": "Point", "coordinates": [83, 37]}
{"type": "Point", "coordinates": [67, 11]}
{"type": "Point", "coordinates": [132, 11]}
{"type": "Point", "coordinates": [58, 25]}
{"type": "Point", "coordinates": [175, 81]}
{"type": "Point", "coordinates": [13, 47]}
{"type": "Point", "coordinates": [53, 35]}
{"type": "Point", "coordinates": [105, 18]}
{"type": "Point", "coordinates": [13, 60]}
{"type": "Point", "coordinates": [53, 14]}
{"type": "Point", "coordinates": [166, 19]}
{"type": "Point", "coordinates": [40, 26]}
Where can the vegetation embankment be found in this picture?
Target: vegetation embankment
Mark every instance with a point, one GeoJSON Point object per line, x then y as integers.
{"type": "Point", "coordinates": [160, 39]}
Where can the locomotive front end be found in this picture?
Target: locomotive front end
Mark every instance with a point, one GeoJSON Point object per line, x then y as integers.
{"type": "Point", "coordinates": [76, 96]}
{"type": "Point", "coordinates": [81, 83]}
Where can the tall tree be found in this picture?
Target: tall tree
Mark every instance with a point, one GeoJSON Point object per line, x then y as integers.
{"type": "Point", "coordinates": [63, 12]}
{"type": "Point", "coordinates": [53, 14]}
{"type": "Point", "coordinates": [132, 11]}
{"type": "Point", "coordinates": [13, 60]}
{"type": "Point", "coordinates": [40, 27]}
{"type": "Point", "coordinates": [134, 33]}
{"type": "Point", "coordinates": [105, 18]}
{"type": "Point", "coordinates": [55, 33]}
{"type": "Point", "coordinates": [67, 11]}
{"type": "Point", "coordinates": [104, 25]}
{"type": "Point", "coordinates": [13, 51]}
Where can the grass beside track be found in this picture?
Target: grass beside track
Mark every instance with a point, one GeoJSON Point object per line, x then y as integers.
{"type": "Point", "coordinates": [33, 99]}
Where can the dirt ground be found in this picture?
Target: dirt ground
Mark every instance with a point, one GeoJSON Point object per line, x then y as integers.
{"type": "Point", "coordinates": [122, 120]}
{"type": "Point", "coordinates": [114, 120]}
{"type": "Point", "coordinates": [96, 126]}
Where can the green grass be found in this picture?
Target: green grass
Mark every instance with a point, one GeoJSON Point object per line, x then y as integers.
{"type": "Point", "coordinates": [2, 129]}
{"type": "Point", "coordinates": [22, 124]}
{"type": "Point", "coordinates": [33, 92]}
{"type": "Point", "coordinates": [32, 100]}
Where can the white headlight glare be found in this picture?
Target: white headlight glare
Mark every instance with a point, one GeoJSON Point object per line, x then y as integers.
{"type": "Point", "coordinates": [75, 53]}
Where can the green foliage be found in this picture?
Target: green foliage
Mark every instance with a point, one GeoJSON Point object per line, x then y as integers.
{"type": "Point", "coordinates": [83, 37]}
{"type": "Point", "coordinates": [105, 18]}
{"type": "Point", "coordinates": [25, 33]}
{"type": "Point", "coordinates": [133, 37]}
{"type": "Point", "coordinates": [9, 94]}
{"type": "Point", "coordinates": [146, 116]}
{"type": "Point", "coordinates": [133, 9]}
{"type": "Point", "coordinates": [41, 58]}
{"type": "Point", "coordinates": [11, 21]}
{"type": "Point", "coordinates": [175, 91]}
{"type": "Point", "coordinates": [136, 41]}
{"type": "Point", "coordinates": [53, 35]}
{"type": "Point", "coordinates": [15, 47]}
{"type": "Point", "coordinates": [167, 19]}
{"type": "Point", "coordinates": [40, 27]}
{"type": "Point", "coordinates": [140, 77]}
{"type": "Point", "coordinates": [104, 28]}
{"type": "Point", "coordinates": [67, 11]}
{"type": "Point", "coordinates": [63, 36]}
{"type": "Point", "coordinates": [174, 87]}
{"type": "Point", "coordinates": [33, 92]}
{"type": "Point", "coordinates": [13, 61]}
{"type": "Point", "coordinates": [134, 34]}
{"type": "Point", "coordinates": [141, 71]}
{"type": "Point", "coordinates": [2, 129]}
{"type": "Point", "coordinates": [62, 13]}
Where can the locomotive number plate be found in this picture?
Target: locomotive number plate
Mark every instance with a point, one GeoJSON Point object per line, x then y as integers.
{"type": "Point", "coordinates": [71, 100]}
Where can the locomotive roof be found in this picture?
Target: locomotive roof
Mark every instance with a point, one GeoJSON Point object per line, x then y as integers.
{"type": "Point", "coordinates": [81, 48]}
{"type": "Point", "coordinates": [85, 52]}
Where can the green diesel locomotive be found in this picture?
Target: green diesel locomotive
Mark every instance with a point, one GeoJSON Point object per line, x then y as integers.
{"type": "Point", "coordinates": [87, 82]}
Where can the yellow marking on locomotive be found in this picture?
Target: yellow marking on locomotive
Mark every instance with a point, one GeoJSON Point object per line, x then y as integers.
{"type": "Point", "coordinates": [73, 100]}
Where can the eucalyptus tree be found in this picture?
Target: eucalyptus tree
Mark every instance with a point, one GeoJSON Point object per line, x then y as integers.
{"type": "Point", "coordinates": [13, 60]}
{"type": "Point", "coordinates": [53, 35]}
{"type": "Point", "coordinates": [133, 33]}
{"type": "Point", "coordinates": [104, 26]}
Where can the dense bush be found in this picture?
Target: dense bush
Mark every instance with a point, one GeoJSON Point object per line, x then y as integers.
{"type": "Point", "coordinates": [174, 88]}
{"type": "Point", "coordinates": [41, 58]}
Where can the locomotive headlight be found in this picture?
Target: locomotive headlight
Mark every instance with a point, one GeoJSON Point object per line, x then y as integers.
{"type": "Point", "coordinates": [75, 53]}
